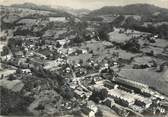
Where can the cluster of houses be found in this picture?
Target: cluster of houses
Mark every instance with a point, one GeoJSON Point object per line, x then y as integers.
{"type": "Point", "coordinates": [131, 96]}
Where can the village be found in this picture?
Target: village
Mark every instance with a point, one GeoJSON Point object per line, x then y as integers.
{"type": "Point", "coordinates": [63, 65]}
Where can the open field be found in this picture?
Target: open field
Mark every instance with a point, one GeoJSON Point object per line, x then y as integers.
{"type": "Point", "coordinates": [155, 80]}
{"type": "Point", "coordinates": [116, 37]}
{"type": "Point", "coordinates": [7, 72]}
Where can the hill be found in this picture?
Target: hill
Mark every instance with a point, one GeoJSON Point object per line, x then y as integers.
{"type": "Point", "coordinates": [41, 8]}
{"type": "Point", "coordinates": [32, 6]}
{"type": "Point", "coordinates": [76, 12]}
{"type": "Point", "coordinates": [133, 9]}
{"type": "Point", "coordinates": [141, 17]}
{"type": "Point", "coordinates": [48, 8]}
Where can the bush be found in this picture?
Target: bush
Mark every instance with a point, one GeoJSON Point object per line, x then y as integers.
{"type": "Point", "coordinates": [103, 35]}
{"type": "Point", "coordinates": [132, 45]}
{"type": "Point", "coordinates": [99, 95]}
{"type": "Point", "coordinates": [5, 51]}
{"type": "Point", "coordinates": [13, 103]}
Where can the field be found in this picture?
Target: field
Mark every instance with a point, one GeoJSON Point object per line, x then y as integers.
{"type": "Point", "coordinates": [116, 37]}
{"type": "Point", "coordinates": [147, 76]}
{"type": "Point", "coordinates": [7, 72]}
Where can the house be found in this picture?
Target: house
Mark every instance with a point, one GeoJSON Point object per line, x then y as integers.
{"type": "Point", "coordinates": [120, 111]}
{"type": "Point", "coordinates": [130, 98]}
{"type": "Point", "coordinates": [35, 62]}
{"type": "Point", "coordinates": [51, 64]}
{"type": "Point", "coordinates": [62, 42]}
{"type": "Point", "coordinates": [19, 54]}
{"type": "Point", "coordinates": [79, 93]}
{"type": "Point", "coordinates": [31, 47]}
{"type": "Point", "coordinates": [147, 102]}
{"type": "Point", "coordinates": [73, 85]}
{"type": "Point", "coordinates": [91, 105]}
{"type": "Point", "coordinates": [131, 83]}
{"type": "Point", "coordinates": [75, 52]}
{"type": "Point", "coordinates": [68, 70]}
{"type": "Point", "coordinates": [26, 71]}
{"type": "Point", "coordinates": [71, 51]}
{"type": "Point", "coordinates": [77, 65]}
{"type": "Point", "coordinates": [84, 51]}
{"type": "Point", "coordinates": [21, 60]}
{"type": "Point", "coordinates": [121, 96]}
{"type": "Point", "coordinates": [109, 102]}
{"type": "Point", "coordinates": [156, 36]}
{"type": "Point", "coordinates": [3, 35]}
{"type": "Point", "coordinates": [125, 89]}
{"type": "Point", "coordinates": [7, 57]}
{"type": "Point", "coordinates": [109, 84]}
{"type": "Point", "coordinates": [137, 108]}
{"type": "Point", "coordinates": [88, 112]}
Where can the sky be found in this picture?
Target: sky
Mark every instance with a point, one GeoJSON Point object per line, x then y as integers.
{"type": "Point", "coordinates": [87, 4]}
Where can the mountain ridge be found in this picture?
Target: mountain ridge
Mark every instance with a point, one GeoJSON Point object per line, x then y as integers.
{"type": "Point", "coordinates": [132, 9]}
{"type": "Point", "coordinates": [49, 8]}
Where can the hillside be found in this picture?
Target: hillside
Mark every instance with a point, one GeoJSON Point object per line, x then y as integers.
{"type": "Point", "coordinates": [41, 8]}
{"type": "Point", "coordinates": [55, 9]}
{"type": "Point", "coordinates": [32, 6]}
{"type": "Point", "coordinates": [139, 9]}
{"type": "Point", "coordinates": [141, 17]}
{"type": "Point", "coordinates": [76, 12]}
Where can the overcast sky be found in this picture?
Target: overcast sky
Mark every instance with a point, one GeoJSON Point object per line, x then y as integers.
{"type": "Point", "coordinates": [88, 4]}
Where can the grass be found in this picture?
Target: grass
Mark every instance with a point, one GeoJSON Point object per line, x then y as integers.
{"type": "Point", "coordinates": [7, 72]}
{"type": "Point", "coordinates": [28, 21]}
{"type": "Point", "coordinates": [142, 60]}
{"type": "Point", "coordinates": [84, 57]}
{"type": "Point", "coordinates": [106, 111]}
{"type": "Point", "coordinates": [160, 43]}
{"type": "Point", "coordinates": [165, 75]}
{"type": "Point", "coordinates": [117, 37]}
{"type": "Point", "coordinates": [10, 19]}
{"type": "Point", "coordinates": [147, 76]}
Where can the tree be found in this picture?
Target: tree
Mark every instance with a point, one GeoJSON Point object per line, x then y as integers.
{"type": "Point", "coordinates": [66, 92]}
{"type": "Point", "coordinates": [18, 71]}
{"type": "Point", "coordinates": [102, 34]}
{"type": "Point", "coordinates": [132, 45]}
{"type": "Point", "coordinates": [163, 31]}
{"type": "Point", "coordinates": [13, 103]}
{"type": "Point", "coordinates": [58, 45]}
{"type": "Point", "coordinates": [92, 81]}
{"type": "Point", "coordinates": [5, 51]}
{"type": "Point", "coordinates": [80, 61]}
{"type": "Point", "coordinates": [103, 94]}
{"type": "Point", "coordinates": [99, 95]}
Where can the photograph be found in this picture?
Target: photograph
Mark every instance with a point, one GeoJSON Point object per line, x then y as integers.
{"type": "Point", "coordinates": [83, 58]}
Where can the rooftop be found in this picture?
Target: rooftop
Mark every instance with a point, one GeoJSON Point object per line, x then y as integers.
{"type": "Point", "coordinates": [122, 95]}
